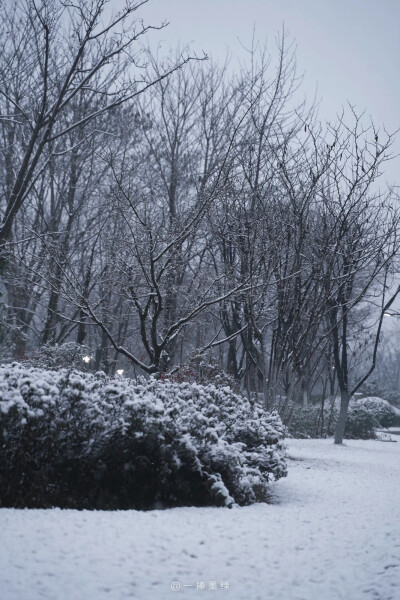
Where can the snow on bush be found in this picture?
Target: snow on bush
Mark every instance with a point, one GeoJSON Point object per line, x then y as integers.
{"type": "Point", "coordinates": [381, 409]}
{"type": "Point", "coordinates": [367, 415]}
{"type": "Point", "coordinates": [81, 440]}
{"type": "Point", "coordinates": [52, 356]}
{"type": "Point", "coordinates": [311, 422]}
{"type": "Point", "coordinates": [364, 417]}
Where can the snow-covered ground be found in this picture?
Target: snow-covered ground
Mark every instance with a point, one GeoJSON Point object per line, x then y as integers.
{"type": "Point", "coordinates": [332, 533]}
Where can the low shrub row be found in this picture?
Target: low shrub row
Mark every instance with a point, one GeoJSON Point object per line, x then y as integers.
{"type": "Point", "coordinates": [80, 440]}
{"type": "Point", "coordinates": [364, 417]}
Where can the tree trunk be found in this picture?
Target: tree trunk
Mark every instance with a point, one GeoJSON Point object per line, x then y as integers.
{"type": "Point", "coordinates": [341, 424]}
{"type": "Point", "coordinates": [305, 396]}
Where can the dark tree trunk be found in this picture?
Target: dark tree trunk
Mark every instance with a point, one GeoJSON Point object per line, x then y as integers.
{"type": "Point", "coordinates": [341, 424]}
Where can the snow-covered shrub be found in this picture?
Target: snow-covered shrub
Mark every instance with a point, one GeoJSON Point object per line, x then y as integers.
{"type": "Point", "coordinates": [379, 389]}
{"type": "Point", "coordinates": [367, 415]}
{"type": "Point", "coordinates": [237, 440]}
{"type": "Point", "coordinates": [311, 422]}
{"type": "Point", "coordinates": [51, 356]}
{"type": "Point", "coordinates": [360, 424]}
{"type": "Point", "coordinates": [202, 369]}
{"type": "Point", "coordinates": [381, 409]}
{"type": "Point", "coordinates": [363, 418]}
{"type": "Point", "coordinates": [82, 440]}
{"type": "Point", "coordinates": [303, 422]}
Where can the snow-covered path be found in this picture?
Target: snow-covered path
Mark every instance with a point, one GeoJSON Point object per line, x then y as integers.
{"type": "Point", "coordinates": [332, 533]}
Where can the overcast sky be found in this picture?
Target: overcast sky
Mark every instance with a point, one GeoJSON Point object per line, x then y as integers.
{"type": "Point", "coordinates": [350, 49]}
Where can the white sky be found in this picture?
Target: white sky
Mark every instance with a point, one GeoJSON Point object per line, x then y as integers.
{"type": "Point", "coordinates": [350, 49]}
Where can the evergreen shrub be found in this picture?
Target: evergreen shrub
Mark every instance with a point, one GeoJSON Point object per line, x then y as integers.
{"type": "Point", "coordinates": [83, 440]}
{"type": "Point", "coordinates": [367, 415]}
{"type": "Point", "coordinates": [364, 417]}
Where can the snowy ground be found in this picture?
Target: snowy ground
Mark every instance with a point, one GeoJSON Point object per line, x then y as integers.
{"type": "Point", "coordinates": [333, 533]}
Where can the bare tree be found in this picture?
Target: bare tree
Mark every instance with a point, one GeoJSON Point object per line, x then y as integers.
{"type": "Point", "coordinates": [52, 52]}
{"type": "Point", "coordinates": [360, 235]}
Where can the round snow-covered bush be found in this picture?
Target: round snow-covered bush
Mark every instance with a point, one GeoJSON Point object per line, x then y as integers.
{"type": "Point", "coordinates": [360, 424]}
{"type": "Point", "coordinates": [381, 409]}
{"type": "Point", "coordinates": [366, 415]}
{"type": "Point", "coordinates": [82, 440]}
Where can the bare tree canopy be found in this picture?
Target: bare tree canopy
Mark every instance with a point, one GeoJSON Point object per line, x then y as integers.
{"type": "Point", "coordinates": [157, 211]}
